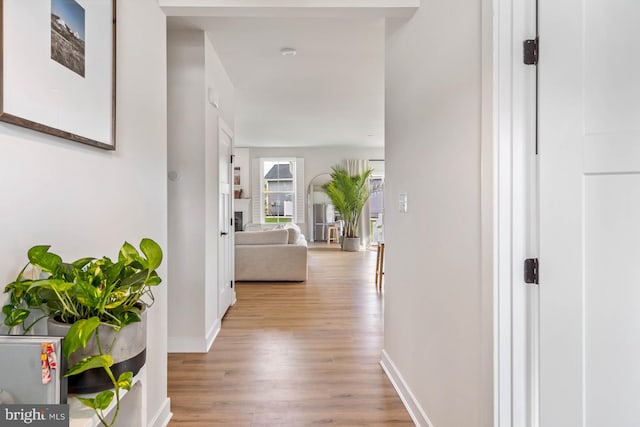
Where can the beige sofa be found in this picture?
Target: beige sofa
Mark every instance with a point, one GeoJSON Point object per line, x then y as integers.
{"type": "Point", "coordinates": [271, 255]}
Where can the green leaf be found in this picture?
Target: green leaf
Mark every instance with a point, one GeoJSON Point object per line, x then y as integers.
{"type": "Point", "coordinates": [42, 258]}
{"type": "Point", "coordinates": [87, 295]}
{"type": "Point", "coordinates": [128, 318]}
{"type": "Point", "coordinates": [91, 362]}
{"type": "Point", "coordinates": [134, 279]}
{"type": "Point", "coordinates": [82, 262]}
{"type": "Point", "coordinates": [79, 334]}
{"type": "Point", "coordinates": [7, 309]}
{"type": "Point", "coordinates": [113, 271]}
{"type": "Point", "coordinates": [153, 281]}
{"type": "Point", "coordinates": [152, 251]}
{"type": "Point", "coordinates": [128, 254]}
{"type": "Point", "coordinates": [15, 317]}
{"type": "Point", "coordinates": [37, 251]}
{"type": "Point", "coordinates": [58, 285]}
{"type": "Point", "coordinates": [91, 403]}
{"type": "Point", "coordinates": [103, 399]}
{"type": "Point", "coordinates": [125, 379]}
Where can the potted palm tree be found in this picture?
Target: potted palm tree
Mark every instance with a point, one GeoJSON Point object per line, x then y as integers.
{"type": "Point", "coordinates": [348, 194]}
{"type": "Point", "coordinates": [98, 305]}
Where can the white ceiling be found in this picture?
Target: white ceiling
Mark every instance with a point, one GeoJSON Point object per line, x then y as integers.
{"type": "Point", "coordinates": [331, 93]}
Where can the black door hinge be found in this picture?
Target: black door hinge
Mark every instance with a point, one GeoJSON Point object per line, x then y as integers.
{"type": "Point", "coordinates": [232, 284]}
{"type": "Point", "coordinates": [530, 51]}
{"type": "Point", "coordinates": [531, 270]}
{"type": "Point", "coordinates": [232, 157]}
{"type": "Point", "coordinates": [231, 219]}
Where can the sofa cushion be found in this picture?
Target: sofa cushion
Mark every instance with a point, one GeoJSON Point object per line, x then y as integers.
{"type": "Point", "coordinates": [271, 237]}
{"type": "Point", "coordinates": [294, 232]}
{"type": "Point", "coordinates": [262, 227]}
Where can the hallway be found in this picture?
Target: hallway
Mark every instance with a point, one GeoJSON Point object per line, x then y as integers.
{"type": "Point", "coordinates": [294, 354]}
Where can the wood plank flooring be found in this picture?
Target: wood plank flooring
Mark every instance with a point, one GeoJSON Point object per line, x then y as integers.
{"type": "Point", "coordinates": [294, 354]}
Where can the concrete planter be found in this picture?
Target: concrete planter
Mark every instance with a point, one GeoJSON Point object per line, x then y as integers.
{"type": "Point", "coordinates": [128, 351]}
{"type": "Point", "coordinates": [351, 244]}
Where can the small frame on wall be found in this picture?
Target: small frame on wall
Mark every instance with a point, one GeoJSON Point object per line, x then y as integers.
{"type": "Point", "coordinates": [57, 68]}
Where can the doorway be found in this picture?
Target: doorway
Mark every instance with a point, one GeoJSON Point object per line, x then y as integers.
{"type": "Point", "coordinates": [226, 291]}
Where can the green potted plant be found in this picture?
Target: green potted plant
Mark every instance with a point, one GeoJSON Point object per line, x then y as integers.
{"type": "Point", "coordinates": [99, 305]}
{"type": "Point", "coordinates": [348, 194]}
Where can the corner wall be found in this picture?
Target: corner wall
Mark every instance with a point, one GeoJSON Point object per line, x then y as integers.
{"type": "Point", "coordinates": [437, 337]}
{"type": "Point", "coordinates": [85, 201]}
{"type": "Point", "coordinates": [195, 73]}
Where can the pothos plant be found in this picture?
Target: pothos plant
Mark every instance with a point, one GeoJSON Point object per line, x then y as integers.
{"type": "Point", "coordinates": [86, 294]}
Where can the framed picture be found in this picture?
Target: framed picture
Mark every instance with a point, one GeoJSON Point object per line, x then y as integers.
{"type": "Point", "coordinates": [236, 175]}
{"type": "Point", "coordinates": [58, 68]}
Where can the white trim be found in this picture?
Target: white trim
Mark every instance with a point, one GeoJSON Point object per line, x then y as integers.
{"type": "Point", "coordinates": [195, 344]}
{"type": "Point", "coordinates": [410, 402]}
{"type": "Point", "coordinates": [514, 214]}
{"type": "Point", "coordinates": [215, 330]}
{"type": "Point", "coordinates": [186, 345]}
{"type": "Point", "coordinates": [256, 191]}
{"type": "Point", "coordinates": [226, 129]}
{"type": "Point", "coordinates": [299, 208]}
{"type": "Point", "coordinates": [502, 169]}
{"type": "Point", "coordinates": [163, 416]}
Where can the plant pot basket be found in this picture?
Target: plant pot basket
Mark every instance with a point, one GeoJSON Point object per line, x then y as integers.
{"type": "Point", "coordinates": [128, 351]}
{"type": "Point", "coordinates": [351, 244]}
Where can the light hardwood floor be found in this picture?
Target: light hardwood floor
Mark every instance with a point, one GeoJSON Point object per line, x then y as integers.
{"type": "Point", "coordinates": [294, 354]}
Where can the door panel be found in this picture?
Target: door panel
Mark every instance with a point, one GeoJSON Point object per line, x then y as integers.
{"type": "Point", "coordinates": [225, 240]}
{"type": "Point", "coordinates": [612, 299]}
{"type": "Point", "coordinates": [589, 139]}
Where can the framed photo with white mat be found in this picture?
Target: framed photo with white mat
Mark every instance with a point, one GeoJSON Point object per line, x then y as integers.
{"type": "Point", "coordinates": [58, 68]}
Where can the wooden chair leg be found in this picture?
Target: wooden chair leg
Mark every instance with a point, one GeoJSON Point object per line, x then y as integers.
{"type": "Point", "coordinates": [379, 266]}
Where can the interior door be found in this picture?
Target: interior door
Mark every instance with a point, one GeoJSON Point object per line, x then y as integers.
{"type": "Point", "coordinates": [226, 293]}
{"type": "Point", "coordinates": [589, 142]}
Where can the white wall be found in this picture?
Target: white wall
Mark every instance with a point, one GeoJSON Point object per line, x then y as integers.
{"type": "Point", "coordinates": [85, 201]}
{"type": "Point", "coordinates": [436, 332]}
{"type": "Point", "coordinates": [193, 69]}
{"type": "Point", "coordinates": [185, 61]}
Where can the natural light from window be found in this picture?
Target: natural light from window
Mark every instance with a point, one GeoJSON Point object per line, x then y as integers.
{"type": "Point", "coordinates": [278, 190]}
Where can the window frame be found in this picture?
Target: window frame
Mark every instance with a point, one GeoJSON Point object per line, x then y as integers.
{"type": "Point", "coordinates": [263, 190]}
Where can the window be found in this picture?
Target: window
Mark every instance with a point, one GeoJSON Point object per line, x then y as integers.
{"type": "Point", "coordinates": [376, 196]}
{"type": "Point", "coordinates": [376, 206]}
{"type": "Point", "coordinates": [278, 190]}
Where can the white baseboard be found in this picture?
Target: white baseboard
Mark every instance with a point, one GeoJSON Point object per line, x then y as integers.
{"type": "Point", "coordinates": [163, 416]}
{"type": "Point", "coordinates": [416, 412]}
{"type": "Point", "coordinates": [185, 345]}
{"type": "Point", "coordinates": [194, 344]}
{"type": "Point", "coordinates": [213, 333]}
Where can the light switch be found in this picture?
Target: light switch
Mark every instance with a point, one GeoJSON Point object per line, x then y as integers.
{"type": "Point", "coordinates": [402, 203]}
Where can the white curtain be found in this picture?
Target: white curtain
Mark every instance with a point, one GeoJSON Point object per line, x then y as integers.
{"type": "Point", "coordinates": [355, 167]}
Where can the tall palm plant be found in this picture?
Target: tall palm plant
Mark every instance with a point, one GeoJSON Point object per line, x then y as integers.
{"type": "Point", "coordinates": [348, 194]}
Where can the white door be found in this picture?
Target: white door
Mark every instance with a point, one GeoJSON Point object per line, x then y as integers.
{"type": "Point", "coordinates": [226, 293]}
{"type": "Point", "coordinates": [589, 145]}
